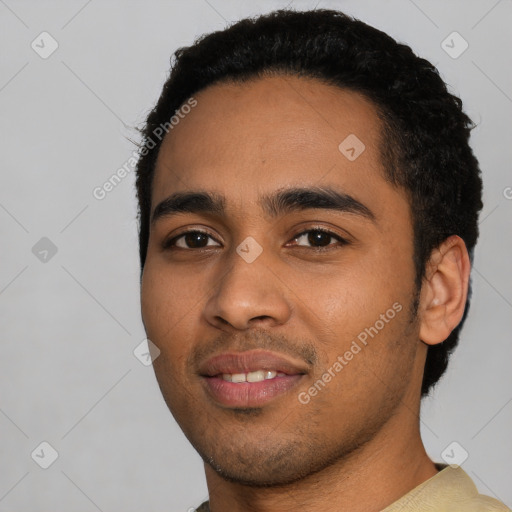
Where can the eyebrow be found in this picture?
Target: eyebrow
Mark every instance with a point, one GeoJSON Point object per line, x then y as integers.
{"type": "Point", "coordinates": [274, 205]}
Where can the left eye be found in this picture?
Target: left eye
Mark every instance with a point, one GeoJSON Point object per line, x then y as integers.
{"type": "Point", "coordinates": [319, 238]}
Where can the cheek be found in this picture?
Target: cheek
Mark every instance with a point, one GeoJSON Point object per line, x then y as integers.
{"type": "Point", "coordinates": [360, 313]}
{"type": "Point", "coordinates": [167, 303]}
{"type": "Point", "coordinates": [384, 275]}
{"type": "Point", "coordinates": [345, 301]}
{"type": "Point", "coordinates": [367, 362]}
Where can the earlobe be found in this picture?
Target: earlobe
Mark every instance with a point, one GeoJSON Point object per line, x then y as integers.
{"type": "Point", "coordinates": [444, 290]}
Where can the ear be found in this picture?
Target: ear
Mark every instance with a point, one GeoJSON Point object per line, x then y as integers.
{"type": "Point", "coordinates": [444, 290]}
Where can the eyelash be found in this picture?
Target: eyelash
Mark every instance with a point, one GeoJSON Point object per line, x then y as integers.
{"type": "Point", "coordinates": [170, 244]}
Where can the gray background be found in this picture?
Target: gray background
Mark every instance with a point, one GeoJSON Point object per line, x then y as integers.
{"type": "Point", "coordinates": [70, 321]}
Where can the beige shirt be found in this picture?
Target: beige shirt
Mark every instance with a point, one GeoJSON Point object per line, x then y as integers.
{"type": "Point", "coordinates": [450, 490]}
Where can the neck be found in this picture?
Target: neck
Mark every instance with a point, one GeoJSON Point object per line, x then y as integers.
{"type": "Point", "coordinates": [370, 479]}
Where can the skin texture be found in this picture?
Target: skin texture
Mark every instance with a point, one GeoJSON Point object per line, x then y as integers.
{"type": "Point", "coordinates": [356, 445]}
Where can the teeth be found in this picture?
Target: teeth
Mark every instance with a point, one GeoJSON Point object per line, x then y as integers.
{"type": "Point", "coordinates": [260, 375]}
{"type": "Point", "coordinates": [256, 376]}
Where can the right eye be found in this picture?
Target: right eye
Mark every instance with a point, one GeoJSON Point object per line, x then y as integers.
{"type": "Point", "coordinates": [189, 240]}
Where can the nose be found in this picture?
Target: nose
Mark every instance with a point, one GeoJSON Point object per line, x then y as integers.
{"type": "Point", "coordinates": [249, 294]}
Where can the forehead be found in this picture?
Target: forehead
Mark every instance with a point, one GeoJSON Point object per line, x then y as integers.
{"type": "Point", "coordinates": [246, 139]}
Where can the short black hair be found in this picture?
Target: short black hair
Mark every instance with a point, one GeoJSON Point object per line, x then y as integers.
{"type": "Point", "coordinates": [425, 133]}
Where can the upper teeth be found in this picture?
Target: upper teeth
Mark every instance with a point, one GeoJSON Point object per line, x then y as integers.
{"type": "Point", "coordinates": [256, 376]}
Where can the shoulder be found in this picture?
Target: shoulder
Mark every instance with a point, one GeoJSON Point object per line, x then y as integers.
{"type": "Point", "coordinates": [450, 490]}
{"type": "Point", "coordinates": [465, 495]}
{"type": "Point", "coordinates": [482, 503]}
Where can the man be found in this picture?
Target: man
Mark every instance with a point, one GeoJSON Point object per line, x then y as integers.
{"type": "Point", "coordinates": [307, 225]}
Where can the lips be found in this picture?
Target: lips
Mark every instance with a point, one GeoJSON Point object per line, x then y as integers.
{"type": "Point", "coordinates": [250, 361]}
{"type": "Point", "coordinates": [281, 375]}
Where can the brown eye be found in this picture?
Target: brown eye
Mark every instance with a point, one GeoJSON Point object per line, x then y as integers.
{"type": "Point", "coordinates": [190, 240]}
{"type": "Point", "coordinates": [318, 238]}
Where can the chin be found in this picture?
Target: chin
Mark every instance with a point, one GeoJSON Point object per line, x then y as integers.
{"type": "Point", "coordinates": [258, 476]}
{"type": "Point", "coordinates": [268, 465]}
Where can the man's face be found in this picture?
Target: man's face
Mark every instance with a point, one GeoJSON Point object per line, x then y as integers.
{"type": "Point", "coordinates": [323, 318]}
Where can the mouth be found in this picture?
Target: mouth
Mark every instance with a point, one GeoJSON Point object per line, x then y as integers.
{"type": "Point", "coordinates": [249, 379]}
{"type": "Point", "coordinates": [255, 376]}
